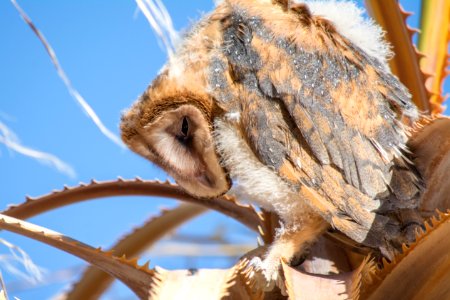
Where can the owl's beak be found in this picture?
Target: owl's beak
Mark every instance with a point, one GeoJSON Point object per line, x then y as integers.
{"type": "Point", "coordinates": [205, 185]}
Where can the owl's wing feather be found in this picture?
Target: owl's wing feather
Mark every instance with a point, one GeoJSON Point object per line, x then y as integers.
{"type": "Point", "coordinates": [326, 116]}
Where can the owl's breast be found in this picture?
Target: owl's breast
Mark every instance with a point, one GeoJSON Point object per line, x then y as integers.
{"type": "Point", "coordinates": [253, 180]}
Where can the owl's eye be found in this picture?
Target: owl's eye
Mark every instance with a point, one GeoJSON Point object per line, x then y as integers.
{"type": "Point", "coordinates": [185, 126]}
{"type": "Point", "coordinates": [183, 136]}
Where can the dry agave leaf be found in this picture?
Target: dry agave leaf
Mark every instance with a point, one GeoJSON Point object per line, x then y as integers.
{"type": "Point", "coordinates": [214, 284]}
{"type": "Point", "coordinates": [433, 41]}
{"type": "Point", "coordinates": [138, 279]}
{"type": "Point", "coordinates": [326, 273]}
{"type": "Point", "coordinates": [94, 281]}
{"type": "Point", "coordinates": [159, 284]}
{"type": "Point", "coordinates": [326, 257]}
{"type": "Point", "coordinates": [199, 284]}
{"type": "Point", "coordinates": [430, 143]}
{"type": "Point", "coordinates": [244, 214]}
{"type": "Point", "coordinates": [302, 285]}
{"type": "Point", "coordinates": [190, 284]}
{"type": "Point", "coordinates": [405, 63]}
{"type": "Point", "coordinates": [421, 272]}
{"type": "Point", "coordinates": [227, 205]}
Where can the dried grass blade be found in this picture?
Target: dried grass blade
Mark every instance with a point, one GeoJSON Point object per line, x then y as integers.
{"type": "Point", "coordinates": [161, 22]}
{"type": "Point", "coordinates": [10, 140]}
{"type": "Point", "coordinates": [3, 293]}
{"type": "Point", "coordinates": [73, 92]}
{"type": "Point", "coordinates": [33, 273]}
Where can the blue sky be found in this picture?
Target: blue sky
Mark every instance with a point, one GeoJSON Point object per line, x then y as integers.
{"type": "Point", "coordinates": [110, 53]}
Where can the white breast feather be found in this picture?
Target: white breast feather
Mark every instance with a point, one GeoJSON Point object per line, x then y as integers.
{"type": "Point", "coordinates": [255, 181]}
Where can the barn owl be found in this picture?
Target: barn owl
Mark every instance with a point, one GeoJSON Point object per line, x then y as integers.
{"type": "Point", "coordinates": [294, 104]}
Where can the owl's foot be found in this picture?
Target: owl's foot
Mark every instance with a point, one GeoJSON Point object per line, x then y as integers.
{"type": "Point", "coordinates": [264, 264]}
{"type": "Point", "coordinates": [265, 272]}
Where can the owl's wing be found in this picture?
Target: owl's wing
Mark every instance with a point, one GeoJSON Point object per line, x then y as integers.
{"type": "Point", "coordinates": [322, 113]}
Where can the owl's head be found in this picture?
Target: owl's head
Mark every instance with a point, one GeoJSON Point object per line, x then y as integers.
{"type": "Point", "coordinates": [173, 129]}
{"type": "Point", "coordinates": [171, 124]}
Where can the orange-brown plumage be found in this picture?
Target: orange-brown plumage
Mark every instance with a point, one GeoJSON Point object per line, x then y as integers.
{"type": "Point", "coordinates": [304, 119]}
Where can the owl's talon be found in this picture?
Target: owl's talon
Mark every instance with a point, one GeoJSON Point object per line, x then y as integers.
{"type": "Point", "coordinates": [265, 272]}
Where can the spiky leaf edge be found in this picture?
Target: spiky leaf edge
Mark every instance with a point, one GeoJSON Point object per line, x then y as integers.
{"type": "Point", "coordinates": [433, 43]}
{"type": "Point", "coordinates": [94, 282]}
{"type": "Point", "coordinates": [137, 278]}
{"type": "Point", "coordinates": [227, 205]}
{"type": "Point", "coordinates": [404, 271]}
{"type": "Point", "coordinates": [405, 63]}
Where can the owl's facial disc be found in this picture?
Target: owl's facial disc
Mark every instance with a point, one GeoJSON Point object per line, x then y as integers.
{"type": "Point", "coordinates": [180, 142]}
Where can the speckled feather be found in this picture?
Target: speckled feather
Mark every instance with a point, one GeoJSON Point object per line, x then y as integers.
{"type": "Point", "coordinates": [326, 106]}
{"type": "Point", "coordinates": [313, 107]}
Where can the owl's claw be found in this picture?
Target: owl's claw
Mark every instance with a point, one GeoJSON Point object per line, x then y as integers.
{"type": "Point", "coordinates": [264, 271]}
{"type": "Point", "coordinates": [268, 269]}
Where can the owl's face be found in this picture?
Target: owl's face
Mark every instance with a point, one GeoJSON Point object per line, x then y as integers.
{"type": "Point", "coordinates": [179, 141]}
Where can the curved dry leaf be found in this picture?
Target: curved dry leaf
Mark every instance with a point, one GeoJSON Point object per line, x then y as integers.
{"type": "Point", "coordinates": [433, 43]}
{"type": "Point", "coordinates": [405, 63]}
{"type": "Point", "coordinates": [138, 279]}
{"type": "Point", "coordinates": [244, 214]}
{"type": "Point", "coordinates": [214, 284]}
{"type": "Point", "coordinates": [94, 282]}
{"type": "Point", "coordinates": [326, 257]}
{"type": "Point", "coordinates": [302, 285]}
{"type": "Point", "coordinates": [226, 205]}
{"type": "Point", "coordinates": [430, 144]}
{"type": "Point", "coordinates": [421, 272]}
